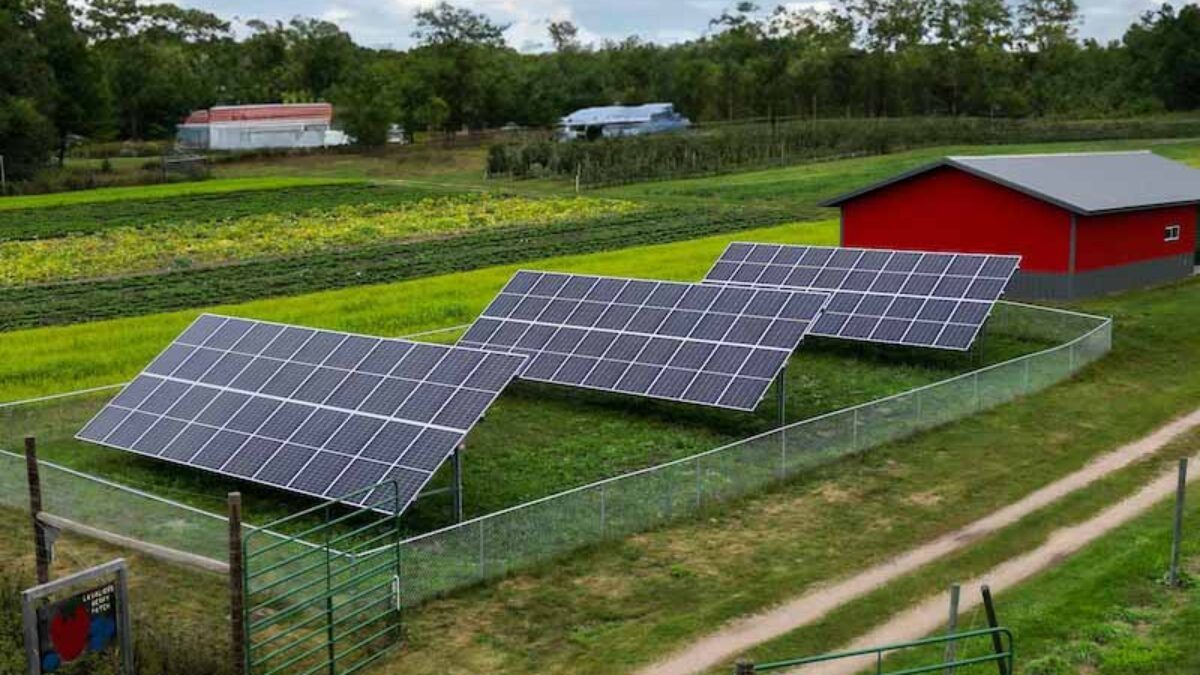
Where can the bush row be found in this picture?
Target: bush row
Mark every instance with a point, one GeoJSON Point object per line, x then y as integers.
{"type": "Point", "coordinates": [65, 303]}
{"type": "Point", "coordinates": [734, 147]}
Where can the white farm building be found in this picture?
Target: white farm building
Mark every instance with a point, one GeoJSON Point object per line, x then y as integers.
{"type": "Point", "coordinates": [252, 127]}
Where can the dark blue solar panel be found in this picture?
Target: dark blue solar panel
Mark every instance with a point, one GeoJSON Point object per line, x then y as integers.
{"type": "Point", "coordinates": [954, 289]}
{"type": "Point", "coordinates": [316, 412]}
{"type": "Point", "coordinates": [623, 332]}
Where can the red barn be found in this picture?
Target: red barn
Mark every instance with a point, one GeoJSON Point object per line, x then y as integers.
{"type": "Point", "coordinates": [1085, 224]}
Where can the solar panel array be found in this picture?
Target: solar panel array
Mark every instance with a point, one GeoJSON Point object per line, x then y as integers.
{"type": "Point", "coordinates": [936, 300]}
{"type": "Point", "coordinates": [317, 412]}
{"type": "Point", "coordinates": [685, 342]}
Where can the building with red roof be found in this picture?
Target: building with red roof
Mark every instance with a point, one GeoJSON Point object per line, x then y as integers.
{"type": "Point", "coordinates": [252, 127]}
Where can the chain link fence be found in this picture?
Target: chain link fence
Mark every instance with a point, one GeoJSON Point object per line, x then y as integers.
{"type": "Point", "coordinates": [493, 545]}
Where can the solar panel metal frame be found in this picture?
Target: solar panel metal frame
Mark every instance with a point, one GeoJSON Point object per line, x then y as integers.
{"type": "Point", "coordinates": [320, 422]}
{"type": "Point", "coordinates": [750, 388]}
{"type": "Point", "coordinates": [738, 254]}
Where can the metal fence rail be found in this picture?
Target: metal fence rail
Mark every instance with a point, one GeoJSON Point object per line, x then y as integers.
{"type": "Point", "coordinates": [873, 657]}
{"type": "Point", "coordinates": [371, 573]}
{"type": "Point", "coordinates": [497, 543]}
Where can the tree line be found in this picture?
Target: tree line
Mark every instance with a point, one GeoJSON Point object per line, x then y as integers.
{"type": "Point", "coordinates": [123, 69]}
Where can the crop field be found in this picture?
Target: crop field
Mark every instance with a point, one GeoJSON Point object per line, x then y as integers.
{"type": "Point", "coordinates": [159, 248]}
{"type": "Point", "coordinates": [88, 261]}
{"type": "Point", "coordinates": [165, 191]}
{"type": "Point", "coordinates": [254, 197]}
{"type": "Point", "coordinates": [91, 290]}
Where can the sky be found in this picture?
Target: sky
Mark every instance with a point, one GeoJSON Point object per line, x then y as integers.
{"type": "Point", "coordinates": [389, 23]}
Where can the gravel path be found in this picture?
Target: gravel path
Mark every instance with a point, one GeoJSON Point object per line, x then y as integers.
{"type": "Point", "coordinates": [742, 634]}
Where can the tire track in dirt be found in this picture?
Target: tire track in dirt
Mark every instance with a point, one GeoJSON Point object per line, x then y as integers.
{"type": "Point", "coordinates": [929, 615]}
{"type": "Point", "coordinates": [741, 634]}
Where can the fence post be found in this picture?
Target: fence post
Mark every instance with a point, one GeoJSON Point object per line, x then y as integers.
{"type": "Point", "coordinates": [237, 588]}
{"type": "Point", "coordinates": [1177, 541]}
{"type": "Point", "coordinates": [603, 510]}
{"type": "Point", "coordinates": [997, 644]}
{"type": "Point", "coordinates": [952, 627]}
{"type": "Point", "coordinates": [854, 430]}
{"type": "Point", "coordinates": [33, 478]}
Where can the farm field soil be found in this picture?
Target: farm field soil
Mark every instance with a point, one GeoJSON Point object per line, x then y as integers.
{"type": "Point", "coordinates": [163, 191]}
{"type": "Point", "coordinates": [616, 607]}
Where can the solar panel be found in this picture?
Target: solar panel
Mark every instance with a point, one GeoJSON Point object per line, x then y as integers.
{"type": "Point", "coordinates": [685, 342]}
{"type": "Point", "coordinates": [317, 412]}
{"type": "Point", "coordinates": [938, 300]}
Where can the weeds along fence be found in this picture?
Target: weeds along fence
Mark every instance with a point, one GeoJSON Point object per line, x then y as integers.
{"type": "Point", "coordinates": [729, 147]}
{"type": "Point", "coordinates": [495, 544]}
{"type": "Point", "coordinates": [335, 607]}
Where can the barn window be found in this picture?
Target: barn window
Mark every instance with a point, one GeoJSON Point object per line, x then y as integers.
{"type": "Point", "coordinates": [1171, 233]}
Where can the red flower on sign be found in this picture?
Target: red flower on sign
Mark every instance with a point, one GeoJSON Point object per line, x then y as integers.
{"type": "Point", "coordinates": [70, 633]}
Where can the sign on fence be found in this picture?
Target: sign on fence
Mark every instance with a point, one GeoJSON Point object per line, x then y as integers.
{"type": "Point", "coordinates": [89, 614]}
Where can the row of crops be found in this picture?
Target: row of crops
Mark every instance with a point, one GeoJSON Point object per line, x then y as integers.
{"type": "Point", "coordinates": [162, 247]}
{"type": "Point", "coordinates": [71, 302]}
{"type": "Point", "coordinates": [43, 222]}
{"type": "Point", "coordinates": [735, 147]}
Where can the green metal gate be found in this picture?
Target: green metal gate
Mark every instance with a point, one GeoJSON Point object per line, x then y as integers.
{"type": "Point", "coordinates": [997, 651]}
{"type": "Point", "coordinates": [325, 598]}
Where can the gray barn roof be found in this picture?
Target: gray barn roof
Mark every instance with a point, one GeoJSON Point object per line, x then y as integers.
{"type": "Point", "coordinates": [617, 114]}
{"type": "Point", "coordinates": [1085, 183]}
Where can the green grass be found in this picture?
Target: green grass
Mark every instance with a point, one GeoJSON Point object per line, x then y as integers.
{"type": "Point", "coordinates": [1105, 610]}
{"type": "Point", "coordinates": [464, 165]}
{"type": "Point", "coordinates": [613, 607]}
{"type": "Point", "coordinates": [804, 186]}
{"type": "Point", "coordinates": [137, 295]}
{"type": "Point", "coordinates": [64, 358]}
{"type": "Point", "coordinates": [542, 438]}
{"type": "Point", "coordinates": [162, 191]}
{"type": "Point", "coordinates": [180, 617]}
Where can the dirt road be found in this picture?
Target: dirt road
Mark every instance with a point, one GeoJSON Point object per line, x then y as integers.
{"type": "Point", "coordinates": [742, 634]}
{"type": "Point", "coordinates": [930, 615]}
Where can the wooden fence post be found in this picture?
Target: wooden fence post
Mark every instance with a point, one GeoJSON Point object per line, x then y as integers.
{"type": "Point", "coordinates": [32, 477]}
{"type": "Point", "coordinates": [952, 627]}
{"type": "Point", "coordinates": [237, 589]}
